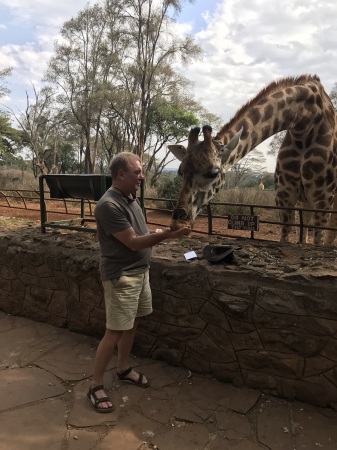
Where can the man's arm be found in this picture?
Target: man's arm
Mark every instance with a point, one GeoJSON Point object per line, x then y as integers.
{"type": "Point", "coordinates": [129, 238]}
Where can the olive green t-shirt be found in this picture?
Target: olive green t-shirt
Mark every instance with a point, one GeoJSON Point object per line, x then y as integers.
{"type": "Point", "coordinates": [113, 213]}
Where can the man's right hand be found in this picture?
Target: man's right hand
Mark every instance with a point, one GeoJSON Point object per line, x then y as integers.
{"type": "Point", "coordinates": [184, 231]}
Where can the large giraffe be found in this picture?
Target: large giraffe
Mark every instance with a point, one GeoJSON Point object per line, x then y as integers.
{"type": "Point", "coordinates": [307, 160]}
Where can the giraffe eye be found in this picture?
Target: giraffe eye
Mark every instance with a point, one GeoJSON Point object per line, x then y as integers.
{"type": "Point", "coordinates": [212, 173]}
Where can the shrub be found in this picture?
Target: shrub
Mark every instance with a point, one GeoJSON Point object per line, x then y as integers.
{"type": "Point", "coordinates": [169, 188]}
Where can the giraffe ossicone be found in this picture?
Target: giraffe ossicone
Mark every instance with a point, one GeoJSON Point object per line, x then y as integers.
{"type": "Point", "coordinates": [306, 168]}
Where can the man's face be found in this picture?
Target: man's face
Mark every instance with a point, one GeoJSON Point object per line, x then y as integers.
{"type": "Point", "coordinates": [133, 177]}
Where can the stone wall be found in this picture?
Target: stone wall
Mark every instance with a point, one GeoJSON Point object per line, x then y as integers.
{"type": "Point", "coordinates": [268, 320]}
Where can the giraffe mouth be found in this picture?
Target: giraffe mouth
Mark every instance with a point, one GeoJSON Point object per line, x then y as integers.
{"type": "Point", "coordinates": [180, 219]}
{"type": "Point", "coordinates": [177, 224]}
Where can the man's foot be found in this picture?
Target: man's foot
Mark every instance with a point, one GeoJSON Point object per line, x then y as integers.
{"type": "Point", "coordinates": [131, 376]}
{"type": "Point", "coordinates": [100, 402]}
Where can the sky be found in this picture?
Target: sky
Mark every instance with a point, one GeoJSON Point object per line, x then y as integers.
{"type": "Point", "coordinates": [246, 43]}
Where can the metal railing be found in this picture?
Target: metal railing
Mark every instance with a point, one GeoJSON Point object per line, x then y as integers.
{"type": "Point", "coordinates": [29, 200]}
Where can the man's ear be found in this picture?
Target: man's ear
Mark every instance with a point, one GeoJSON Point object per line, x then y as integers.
{"type": "Point", "coordinates": [120, 174]}
{"type": "Point", "coordinates": [178, 150]}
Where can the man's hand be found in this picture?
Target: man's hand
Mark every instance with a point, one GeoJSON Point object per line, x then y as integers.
{"type": "Point", "coordinates": [184, 231]}
{"type": "Point", "coordinates": [129, 238]}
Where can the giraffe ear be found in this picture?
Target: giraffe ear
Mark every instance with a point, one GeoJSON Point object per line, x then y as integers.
{"type": "Point", "coordinates": [179, 151]}
{"type": "Point", "coordinates": [232, 144]}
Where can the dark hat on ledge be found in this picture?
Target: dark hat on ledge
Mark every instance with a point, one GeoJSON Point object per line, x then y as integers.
{"type": "Point", "coordinates": [218, 253]}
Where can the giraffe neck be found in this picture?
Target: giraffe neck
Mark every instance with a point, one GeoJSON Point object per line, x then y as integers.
{"type": "Point", "coordinates": [295, 107]}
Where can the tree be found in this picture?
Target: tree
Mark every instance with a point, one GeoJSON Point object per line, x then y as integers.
{"type": "Point", "coordinates": [169, 188]}
{"type": "Point", "coordinates": [153, 48]}
{"type": "Point", "coordinates": [276, 143]}
{"type": "Point", "coordinates": [66, 159]}
{"type": "Point", "coordinates": [41, 122]}
{"type": "Point", "coordinates": [109, 66]}
{"type": "Point", "coordinates": [80, 69]}
{"type": "Point", "coordinates": [11, 139]}
{"type": "Point", "coordinates": [3, 74]}
{"type": "Point", "coordinates": [333, 95]}
{"type": "Point", "coordinates": [167, 122]}
{"type": "Point", "coordinates": [254, 162]}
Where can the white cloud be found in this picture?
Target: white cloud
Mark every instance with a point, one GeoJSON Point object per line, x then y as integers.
{"type": "Point", "coordinates": [249, 43]}
{"type": "Point", "coordinates": [31, 29]}
{"type": "Point", "coordinates": [47, 12]}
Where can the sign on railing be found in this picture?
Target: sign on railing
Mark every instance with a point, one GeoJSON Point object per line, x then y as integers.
{"type": "Point", "coordinates": [243, 222]}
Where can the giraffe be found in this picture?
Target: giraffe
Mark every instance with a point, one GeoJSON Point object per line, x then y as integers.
{"type": "Point", "coordinates": [261, 185]}
{"type": "Point", "coordinates": [306, 169]}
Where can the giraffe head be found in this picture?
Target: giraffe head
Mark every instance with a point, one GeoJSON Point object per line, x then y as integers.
{"type": "Point", "coordinates": [203, 166]}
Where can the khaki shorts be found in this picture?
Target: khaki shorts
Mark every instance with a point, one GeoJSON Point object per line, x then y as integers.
{"type": "Point", "coordinates": [126, 298]}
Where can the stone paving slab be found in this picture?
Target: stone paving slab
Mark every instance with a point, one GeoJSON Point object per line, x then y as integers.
{"type": "Point", "coordinates": [35, 384]}
{"type": "Point", "coordinates": [274, 426]}
{"type": "Point", "coordinates": [34, 427]}
{"type": "Point", "coordinates": [307, 420]}
{"type": "Point", "coordinates": [45, 375]}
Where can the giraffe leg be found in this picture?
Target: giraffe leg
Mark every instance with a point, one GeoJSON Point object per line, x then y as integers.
{"type": "Point", "coordinates": [303, 233]}
{"type": "Point", "coordinates": [322, 220]}
{"type": "Point", "coordinates": [287, 216]}
{"type": "Point", "coordinates": [330, 235]}
{"type": "Point", "coordinates": [286, 196]}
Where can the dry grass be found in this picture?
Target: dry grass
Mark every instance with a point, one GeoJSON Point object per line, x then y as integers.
{"type": "Point", "coordinates": [13, 223]}
{"type": "Point", "coordinates": [17, 179]}
{"type": "Point", "coordinates": [243, 196]}
{"type": "Point", "coordinates": [251, 196]}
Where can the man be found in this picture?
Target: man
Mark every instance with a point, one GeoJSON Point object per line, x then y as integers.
{"type": "Point", "coordinates": [125, 245]}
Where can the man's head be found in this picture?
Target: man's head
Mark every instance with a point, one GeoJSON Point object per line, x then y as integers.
{"type": "Point", "coordinates": [126, 172]}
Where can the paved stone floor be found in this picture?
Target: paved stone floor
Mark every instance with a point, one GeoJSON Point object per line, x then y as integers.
{"type": "Point", "coordinates": [45, 374]}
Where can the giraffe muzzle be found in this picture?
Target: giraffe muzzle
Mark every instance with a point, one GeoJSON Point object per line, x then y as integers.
{"type": "Point", "coordinates": [180, 219]}
{"type": "Point", "coordinates": [179, 214]}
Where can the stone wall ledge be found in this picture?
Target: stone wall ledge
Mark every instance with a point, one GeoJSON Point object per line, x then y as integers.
{"type": "Point", "coordinates": [267, 321]}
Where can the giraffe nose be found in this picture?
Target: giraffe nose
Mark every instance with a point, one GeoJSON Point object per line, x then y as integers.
{"type": "Point", "coordinates": [179, 214]}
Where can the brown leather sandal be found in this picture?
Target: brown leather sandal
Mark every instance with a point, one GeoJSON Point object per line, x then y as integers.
{"type": "Point", "coordinates": [123, 376]}
{"type": "Point", "coordinates": [97, 401]}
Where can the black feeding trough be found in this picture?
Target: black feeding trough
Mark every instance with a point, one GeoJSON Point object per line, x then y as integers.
{"type": "Point", "coordinates": [72, 186]}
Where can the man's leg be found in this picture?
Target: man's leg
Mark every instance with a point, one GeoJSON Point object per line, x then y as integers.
{"type": "Point", "coordinates": [144, 307]}
{"type": "Point", "coordinates": [103, 356]}
{"type": "Point", "coordinates": [124, 348]}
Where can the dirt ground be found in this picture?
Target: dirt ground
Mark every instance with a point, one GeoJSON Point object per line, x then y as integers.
{"type": "Point", "coordinates": [11, 217]}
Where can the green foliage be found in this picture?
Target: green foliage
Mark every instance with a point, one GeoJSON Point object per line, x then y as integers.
{"type": "Point", "coordinates": [268, 181]}
{"type": "Point", "coordinates": [66, 159]}
{"type": "Point", "coordinates": [113, 62]}
{"type": "Point", "coordinates": [169, 188]}
{"type": "Point", "coordinates": [11, 139]}
{"type": "Point", "coordinates": [276, 142]}
{"type": "Point", "coordinates": [171, 121]}
{"type": "Point", "coordinates": [3, 74]}
{"type": "Point", "coordinates": [9, 160]}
